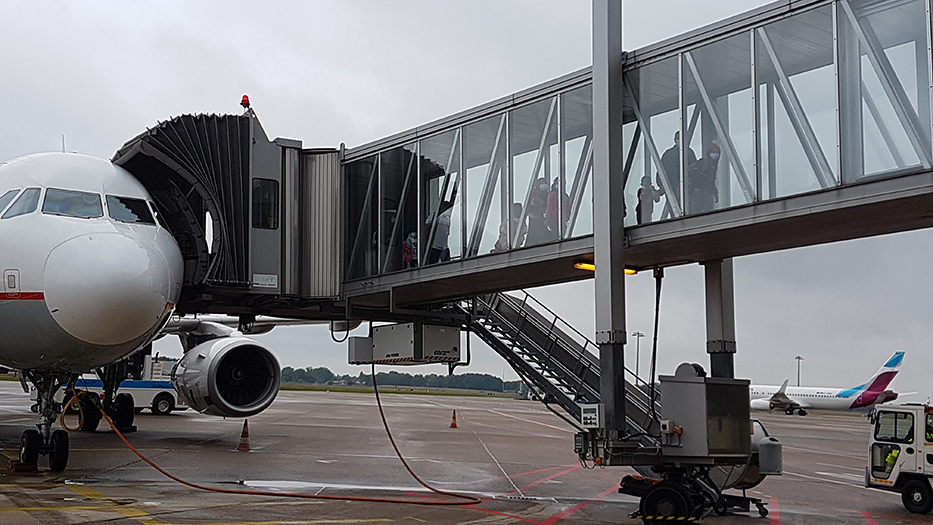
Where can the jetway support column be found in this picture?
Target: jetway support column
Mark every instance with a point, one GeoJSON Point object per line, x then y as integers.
{"type": "Point", "coordinates": [720, 318]}
{"type": "Point", "coordinates": [608, 211]}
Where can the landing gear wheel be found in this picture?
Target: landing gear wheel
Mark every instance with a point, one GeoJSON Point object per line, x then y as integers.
{"type": "Point", "coordinates": [801, 412]}
{"type": "Point", "coordinates": [162, 405]}
{"type": "Point", "coordinates": [90, 412]}
{"type": "Point", "coordinates": [664, 501]}
{"type": "Point", "coordinates": [789, 411]}
{"type": "Point", "coordinates": [58, 453]}
{"type": "Point", "coordinates": [124, 411]}
{"type": "Point", "coordinates": [917, 496]}
{"type": "Point", "coordinates": [29, 446]}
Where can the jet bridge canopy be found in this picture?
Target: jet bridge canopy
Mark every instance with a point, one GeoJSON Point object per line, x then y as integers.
{"type": "Point", "coordinates": [256, 220]}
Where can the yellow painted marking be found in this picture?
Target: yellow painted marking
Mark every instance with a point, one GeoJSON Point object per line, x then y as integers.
{"type": "Point", "coordinates": [304, 522]}
{"type": "Point", "coordinates": [54, 507]}
{"type": "Point", "coordinates": [129, 512]}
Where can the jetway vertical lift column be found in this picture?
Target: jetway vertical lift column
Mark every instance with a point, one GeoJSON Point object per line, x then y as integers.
{"type": "Point", "coordinates": [706, 421]}
{"type": "Point", "coordinates": [608, 210]}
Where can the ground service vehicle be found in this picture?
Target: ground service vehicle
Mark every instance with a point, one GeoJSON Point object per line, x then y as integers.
{"type": "Point", "coordinates": [901, 454]}
{"type": "Point", "coordinates": [152, 389]}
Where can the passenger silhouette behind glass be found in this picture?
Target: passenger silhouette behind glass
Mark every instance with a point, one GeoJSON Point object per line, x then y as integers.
{"type": "Point", "coordinates": [647, 196]}
{"type": "Point", "coordinates": [702, 193]}
{"type": "Point", "coordinates": [518, 230]}
{"type": "Point", "coordinates": [556, 199]}
{"type": "Point", "coordinates": [410, 251]}
{"type": "Point", "coordinates": [440, 251]}
{"type": "Point", "coordinates": [670, 161]}
{"type": "Point", "coordinates": [537, 204]}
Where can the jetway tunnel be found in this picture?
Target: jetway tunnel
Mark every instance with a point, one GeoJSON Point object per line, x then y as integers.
{"type": "Point", "coordinates": [257, 220]}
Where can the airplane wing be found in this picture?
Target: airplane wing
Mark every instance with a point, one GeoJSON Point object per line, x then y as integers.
{"type": "Point", "coordinates": [780, 400]}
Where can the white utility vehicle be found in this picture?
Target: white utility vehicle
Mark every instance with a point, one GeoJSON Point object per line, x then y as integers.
{"type": "Point", "coordinates": [901, 454]}
{"type": "Point", "coordinates": [153, 390]}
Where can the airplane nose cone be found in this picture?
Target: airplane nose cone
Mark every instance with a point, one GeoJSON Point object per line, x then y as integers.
{"type": "Point", "coordinates": [107, 288]}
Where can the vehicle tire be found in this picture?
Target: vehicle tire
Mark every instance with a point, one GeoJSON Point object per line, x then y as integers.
{"type": "Point", "coordinates": [665, 501]}
{"type": "Point", "coordinates": [163, 404]}
{"type": "Point", "coordinates": [917, 496]}
{"type": "Point", "coordinates": [91, 414]}
{"type": "Point", "coordinates": [58, 455]}
{"type": "Point", "coordinates": [29, 446]}
{"type": "Point", "coordinates": [124, 411]}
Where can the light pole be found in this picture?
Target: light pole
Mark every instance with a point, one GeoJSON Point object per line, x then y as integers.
{"type": "Point", "coordinates": [799, 358]}
{"type": "Point", "coordinates": [637, 335]}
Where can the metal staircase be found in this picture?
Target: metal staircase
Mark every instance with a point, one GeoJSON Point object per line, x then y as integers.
{"type": "Point", "coordinates": [556, 358]}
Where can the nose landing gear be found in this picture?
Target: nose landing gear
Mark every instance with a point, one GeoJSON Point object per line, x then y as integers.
{"type": "Point", "coordinates": [42, 440]}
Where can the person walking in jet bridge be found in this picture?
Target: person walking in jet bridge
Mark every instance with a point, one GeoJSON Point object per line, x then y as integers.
{"type": "Point", "coordinates": [670, 161]}
{"type": "Point", "coordinates": [647, 196]}
{"type": "Point", "coordinates": [440, 251]}
{"type": "Point", "coordinates": [702, 193]}
{"type": "Point", "coordinates": [518, 229]}
{"type": "Point", "coordinates": [556, 199]}
{"type": "Point", "coordinates": [410, 250]}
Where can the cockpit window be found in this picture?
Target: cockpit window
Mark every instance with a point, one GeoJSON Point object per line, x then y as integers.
{"type": "Point", "coordinates": [7, 198]}
{"type": "Point", "coordinates": [72, 203]}
{"type": "Point", "coordinates": [127, 209]}
{"type": "Point", "coordinates": [27, 202]}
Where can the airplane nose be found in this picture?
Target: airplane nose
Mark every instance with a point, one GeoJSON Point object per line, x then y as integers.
{"type": "Point", "coordinates": [107, 288]}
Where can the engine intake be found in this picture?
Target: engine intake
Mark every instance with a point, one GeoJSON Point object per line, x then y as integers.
{"type": "Point", "coordinates": [228, 376]}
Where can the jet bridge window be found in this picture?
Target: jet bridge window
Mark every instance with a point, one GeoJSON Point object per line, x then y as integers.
{"type": "Point", "coordinates": [27, 202]}
{"type": "Point", "coordinates": [265, 204]}
{"type": "Point", "coordinates": [7, 198]}
{"type": "Point", "coordinates": [72, 203]}
{"type": "Point", "coordinates": [126, 209]}
{"type": "Point", "coordinates": [895, 427]}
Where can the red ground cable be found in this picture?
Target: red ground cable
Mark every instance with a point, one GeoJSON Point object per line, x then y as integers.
{"type": "Point", "coordinates": [469, 500]}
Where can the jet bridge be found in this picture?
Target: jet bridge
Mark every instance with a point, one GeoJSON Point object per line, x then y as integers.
{"type": "Point", "coordinates": [256, 219]}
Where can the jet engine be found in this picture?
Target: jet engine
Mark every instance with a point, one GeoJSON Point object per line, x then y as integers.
{"type": "Point", "coordinates": [230, 376]}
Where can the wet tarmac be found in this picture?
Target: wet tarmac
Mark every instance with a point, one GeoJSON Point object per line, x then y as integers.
{"type": "Point", "coordinates": [514, 456]}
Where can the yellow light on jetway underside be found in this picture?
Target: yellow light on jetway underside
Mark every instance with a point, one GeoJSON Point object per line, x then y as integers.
{"type": "Point", "coordinates": [592, 268]}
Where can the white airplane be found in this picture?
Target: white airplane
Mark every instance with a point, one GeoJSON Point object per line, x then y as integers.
{"type": "Point", "coordinates": [799, 399]}
{"type": "Point", "coordinates": [90, 276]}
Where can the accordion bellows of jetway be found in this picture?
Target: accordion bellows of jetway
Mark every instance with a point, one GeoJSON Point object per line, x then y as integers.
{"type": "Point", "coordinates": [253, 217]}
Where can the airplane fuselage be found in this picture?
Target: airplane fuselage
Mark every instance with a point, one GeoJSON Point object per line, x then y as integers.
{"type": "Point", "coordinates": [821, 398]}
{"type": "Point", "coordinates": [89, 275]}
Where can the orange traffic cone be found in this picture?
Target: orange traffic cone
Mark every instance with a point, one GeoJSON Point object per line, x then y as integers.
{"type": "Point", "coordinates": [244, 437]}
{"type": "Point", "coordinates": [453, 421]}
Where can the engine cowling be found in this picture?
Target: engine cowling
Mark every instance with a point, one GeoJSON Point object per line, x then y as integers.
{"type": "Point", "coordinates": [231, 376]}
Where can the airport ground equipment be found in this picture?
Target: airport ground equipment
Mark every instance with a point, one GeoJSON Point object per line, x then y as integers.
{"type": "Point", "coordinates": [699, 443]}
{"type": "Point", "coordinates": [151, 388]}
{"type": "Point", "coordinates": [901, 454]}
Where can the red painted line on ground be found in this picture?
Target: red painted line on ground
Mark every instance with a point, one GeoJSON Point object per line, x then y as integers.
{"type": "Point", "coordinates": [561, 515]}
{"type": "Point", "coordinates": [773, 512]}
{"type": "Point", "coordinates": [868, 518]}
{"type": "Point", "coordinates": [542, 480]}
{"type": "Point", "coordinates": [512, 476]}
{"type": "Point", "coordinates": [22, 296]}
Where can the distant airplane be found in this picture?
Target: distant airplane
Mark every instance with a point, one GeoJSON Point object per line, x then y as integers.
{"type": "Point", "coordinates": [798, 399]}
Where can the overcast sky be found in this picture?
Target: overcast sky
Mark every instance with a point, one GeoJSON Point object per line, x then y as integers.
{"type": "Point", "coordinates": [327, 72]}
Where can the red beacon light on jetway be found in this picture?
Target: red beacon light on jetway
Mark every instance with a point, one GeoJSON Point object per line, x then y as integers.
{"type": "Point", "coordinates": [245, 102]}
